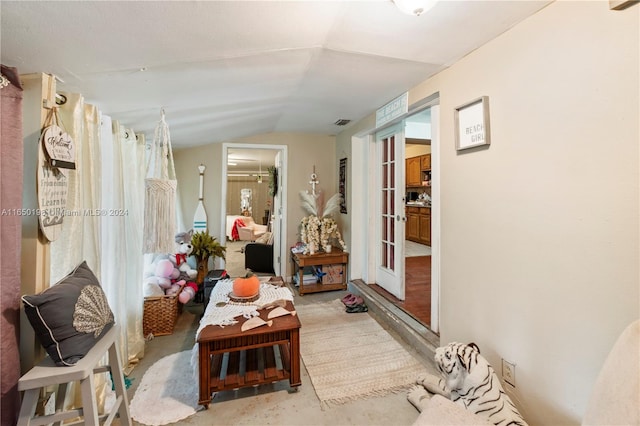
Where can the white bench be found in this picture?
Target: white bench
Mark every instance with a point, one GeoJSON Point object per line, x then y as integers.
{"type": "Point", "coordinates": [46, 373]}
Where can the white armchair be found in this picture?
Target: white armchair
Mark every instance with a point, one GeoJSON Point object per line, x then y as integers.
{"type": "Point", "coordinates": [251, 231]}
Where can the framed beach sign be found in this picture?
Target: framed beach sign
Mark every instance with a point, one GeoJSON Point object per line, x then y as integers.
{"type": "Point", "coordinates": [472, 124]}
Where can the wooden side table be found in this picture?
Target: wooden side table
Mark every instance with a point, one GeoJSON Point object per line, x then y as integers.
{"type": "Point", "coordinates": [251, 355]}
{"type": "Point", "coordinates": [336, 257]}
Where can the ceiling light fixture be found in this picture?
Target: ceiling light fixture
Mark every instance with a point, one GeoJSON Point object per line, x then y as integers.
{"type": "Point", "coordinates": [414, 7]}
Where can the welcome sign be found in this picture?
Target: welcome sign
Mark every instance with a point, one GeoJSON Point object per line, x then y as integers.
{"type": "Point", "coordinates": [59, 146]}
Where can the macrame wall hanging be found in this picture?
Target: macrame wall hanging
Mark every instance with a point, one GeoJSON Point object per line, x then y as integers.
{"type": "Point", "coordinates": [160, 194]}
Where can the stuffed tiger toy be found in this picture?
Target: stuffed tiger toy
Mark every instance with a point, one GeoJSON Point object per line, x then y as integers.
{"type": "Point", "coordinates": [470, 381]}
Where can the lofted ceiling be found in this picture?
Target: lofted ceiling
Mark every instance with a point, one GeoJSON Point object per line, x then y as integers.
{"type": "Point", "coordinates": [224, 70]}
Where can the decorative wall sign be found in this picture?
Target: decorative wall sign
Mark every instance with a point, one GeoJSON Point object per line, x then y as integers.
{"type": "Point", "coordinates": [59, 146]}
{"type": "Point", "coordinates": [52, 188]}
{"type": "Point", "coordinates": [392, 110]}
{"type": "Point", "coordinates": [472, 124]}
{"type": "Point", "coordinates": [342, 185]}
{"type": "Point", "coordinates": [57, 143]}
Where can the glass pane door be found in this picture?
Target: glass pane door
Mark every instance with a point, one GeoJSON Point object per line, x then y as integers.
{"type": "Point", "coordinates": [391, 216]}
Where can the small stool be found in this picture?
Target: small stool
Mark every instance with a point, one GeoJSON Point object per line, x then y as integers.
{"type": "Point", "coordinates": [46, 373]}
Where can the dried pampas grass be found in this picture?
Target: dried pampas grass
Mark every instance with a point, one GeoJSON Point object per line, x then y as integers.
{"type": "Point", "coordinates": [314, 204]}
{"type": "Point", "coordinates": [308, 203]}
{"type": "Point", "coordinates": [332, 206]}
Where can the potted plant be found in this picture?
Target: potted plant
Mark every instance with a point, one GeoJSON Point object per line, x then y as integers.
{"type": "Point", "coordinates": [204, 247]}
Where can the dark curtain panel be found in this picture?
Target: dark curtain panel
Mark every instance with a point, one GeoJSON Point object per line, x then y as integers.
{"type": "Point", "coordinates": [10, 241]}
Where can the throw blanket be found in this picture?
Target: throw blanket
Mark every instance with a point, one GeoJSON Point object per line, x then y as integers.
{"type": "Point", "coordinates": [235, 236]}
{"type": "Point", "coordinates": [227, 314]}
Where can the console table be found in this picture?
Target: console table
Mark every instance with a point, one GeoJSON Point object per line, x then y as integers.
{"type": "Point", "coordinates": [336, 257]}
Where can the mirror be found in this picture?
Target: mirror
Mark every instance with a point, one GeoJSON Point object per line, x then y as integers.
{"type": "Point", "coordinates": [245, 202]}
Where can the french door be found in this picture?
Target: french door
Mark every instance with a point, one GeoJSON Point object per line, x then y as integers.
{"type": "Point", "coordinates": [390, 215]}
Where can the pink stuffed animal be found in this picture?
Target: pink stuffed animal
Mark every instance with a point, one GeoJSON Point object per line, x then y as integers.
{"type": "Point", "coordinates": [164, 274]}
{"type": "Point", "coordinates": [188, 292]}
{"type": "Point", "coordinates": [175, 288]}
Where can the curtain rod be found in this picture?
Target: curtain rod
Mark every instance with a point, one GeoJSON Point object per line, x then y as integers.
{"type": "Point", "coordinates": [60, 99]}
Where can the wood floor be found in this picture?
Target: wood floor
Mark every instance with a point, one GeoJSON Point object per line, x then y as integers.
{"type": "Point", "coordinates": [417, 301]}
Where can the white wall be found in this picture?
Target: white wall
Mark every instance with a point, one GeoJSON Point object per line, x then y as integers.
{"type": "Point", "coordinates": [540, 232]}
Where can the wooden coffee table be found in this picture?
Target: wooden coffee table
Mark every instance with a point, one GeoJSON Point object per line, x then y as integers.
{"type": "Point", "coordinates": [252, 355]}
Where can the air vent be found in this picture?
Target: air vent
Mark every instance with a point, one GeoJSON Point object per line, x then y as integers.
{"type": "Point", "coordinates": [342, 122]}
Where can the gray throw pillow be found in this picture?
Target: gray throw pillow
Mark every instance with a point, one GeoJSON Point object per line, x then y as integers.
{"type": "Point", "coordinates": [70, 316]}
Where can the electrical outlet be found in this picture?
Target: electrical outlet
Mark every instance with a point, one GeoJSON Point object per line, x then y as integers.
{"type": "Point", "coordinates": [509, 373]}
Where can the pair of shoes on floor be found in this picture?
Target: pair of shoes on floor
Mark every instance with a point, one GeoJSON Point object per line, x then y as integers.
{"type": "Point", "coordinates": [360, 307]}
{"type": "Point", "coordinates": [352, 299]}
{"type": "Point", "coordinates": [354, 303]}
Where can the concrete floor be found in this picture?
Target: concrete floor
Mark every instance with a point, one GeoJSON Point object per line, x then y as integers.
{"type": "Point", "coordinates": [273, 404]}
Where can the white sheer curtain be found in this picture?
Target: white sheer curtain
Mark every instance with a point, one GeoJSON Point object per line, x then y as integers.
{"type": "Point", "coordinates": [106, 202]}
{"type": "Point", "coordinates": [73, 244]}
{"type": "Point", "coordinates": [80, 237]}
{"type": "Point", "coordinates": [121, 257]}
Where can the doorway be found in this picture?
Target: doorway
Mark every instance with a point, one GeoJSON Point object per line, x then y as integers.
{"type": "Point", "coordinates": [415, 188]}
{"type": "Point", "coordinates": [421, 278]}
{"type": "Point", "coordinates": [251, 166]}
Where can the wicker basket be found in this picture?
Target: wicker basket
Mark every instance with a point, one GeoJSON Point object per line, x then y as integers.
{"type": "Point", "coordinates": [160, 315]}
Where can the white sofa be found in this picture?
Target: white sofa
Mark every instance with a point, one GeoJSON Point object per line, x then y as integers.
{"type": "Point", "coordinates": [614, 400]}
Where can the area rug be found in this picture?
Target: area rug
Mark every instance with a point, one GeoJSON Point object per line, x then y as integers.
{"type": "Point", "coordinates": [167, 392]}
{"type": "Point", "coordinates": [350, 356]}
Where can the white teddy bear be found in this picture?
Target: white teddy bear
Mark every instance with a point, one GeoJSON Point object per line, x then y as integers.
{"type": "Point", "coordinates": [183, 239]}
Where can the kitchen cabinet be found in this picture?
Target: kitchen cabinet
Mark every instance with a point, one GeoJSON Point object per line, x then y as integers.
{"type": "Point", "coordinates": [415, 168]}
{"type": "Point", "coordinates": [418, 226]}
{"type": "Point", "coordinates": [412, 230]}
{"type": "Point", "coordinates": [413, 172]}
{"type": "Point", "coordinates": [425, 162]}
{"type": "Point", "coordinates": [425, 226]}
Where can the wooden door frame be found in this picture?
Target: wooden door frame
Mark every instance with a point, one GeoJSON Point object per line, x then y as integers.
{"type": "Point", "coordinates": [284, 249]}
